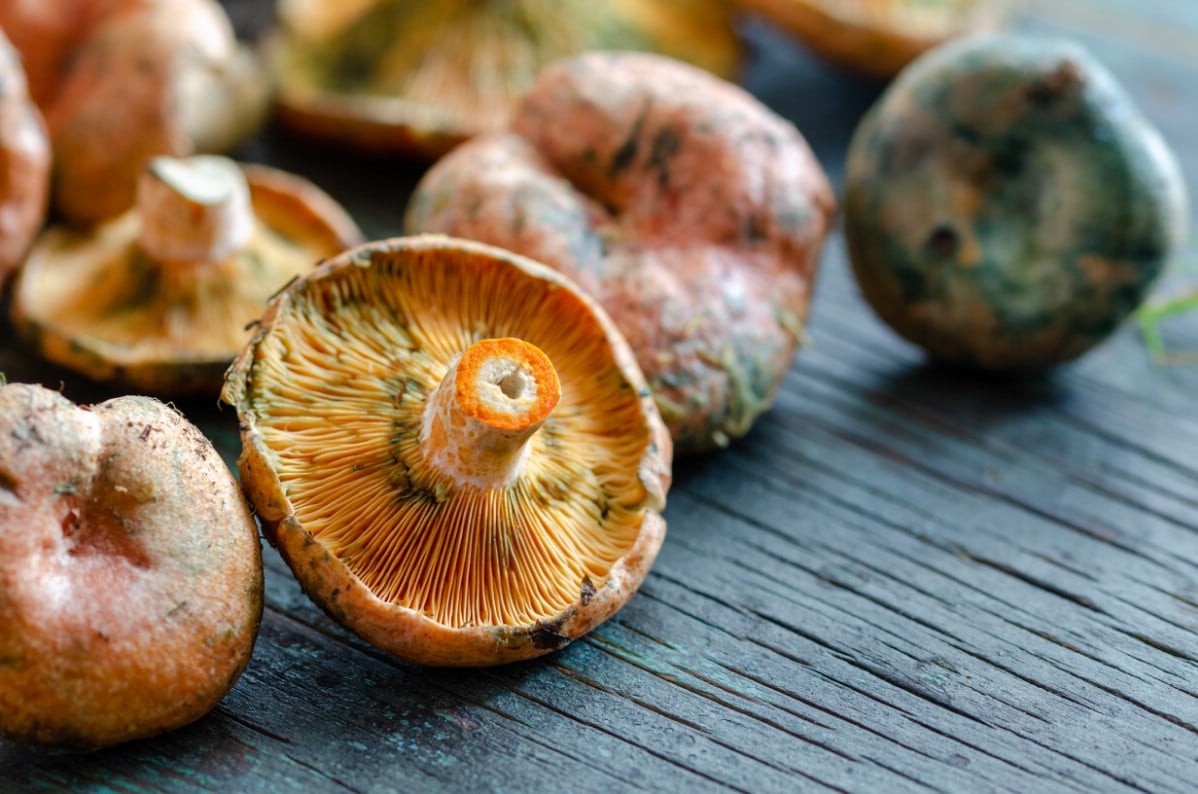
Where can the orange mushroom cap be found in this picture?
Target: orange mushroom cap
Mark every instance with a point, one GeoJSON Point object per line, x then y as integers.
{"type": "Point", "coordinates": [407, 450]}
{"type": "Point", "coordinates": [128, 80]}
{"type": "Point", "coordinates": [130, 570]}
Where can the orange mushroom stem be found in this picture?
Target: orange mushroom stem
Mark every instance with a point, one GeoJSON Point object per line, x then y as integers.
{"type": "Point", "coordinates": [478, 420]}
{"type": "Point", "coordinates": [194, 211]}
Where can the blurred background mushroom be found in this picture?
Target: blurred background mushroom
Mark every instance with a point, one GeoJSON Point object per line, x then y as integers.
{"type": "Point", "coordinates": [878, 37]}
{"type": "Point", "coordinates": [24, 164]}
{"type": "Point", "coordinates": [453, 449]}
{"type": "Point", "coordinates": [159, 297]}
{"type": "Point", "coordinates": [122, 81]}
{"type": "Point", "coordinates": [419, 76]}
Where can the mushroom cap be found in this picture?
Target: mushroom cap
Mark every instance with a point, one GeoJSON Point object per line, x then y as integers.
{"type": "Point", "coordinates": [91, 300]}
{"type": "Point", "coordinates": [688, 209]}
{"type": "Point", "coordinates": [130, 570]}
{"type": "Point", "coordinates": [878, 37]}
{"type": "Point", "coordinates": [24, 164]}
{"type": "Point", "coordinates": [46, 32]}
{"type": "Point", "coordinates": [153, 77]}
{"type": "Point", "coordinates": [331, 394]}
{"type": "Point", "coordinates": [420, 76]}
{"type": "Point", "coordinates": [1007, 205]}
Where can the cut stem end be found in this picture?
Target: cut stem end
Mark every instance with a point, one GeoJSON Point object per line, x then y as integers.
{"type": "Point", "coordinates": [478, 420]}
{"type": "Point", "coordinates": [194, 210]}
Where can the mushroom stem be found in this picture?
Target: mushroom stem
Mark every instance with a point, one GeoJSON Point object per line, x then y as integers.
{"type": "Point", "coordinates": [194, 211]}
{"type": "Point", "coordinates": [478, 420]}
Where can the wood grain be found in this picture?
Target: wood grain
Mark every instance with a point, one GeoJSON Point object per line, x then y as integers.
{"type": "Point", "coordinates": [906, 578]}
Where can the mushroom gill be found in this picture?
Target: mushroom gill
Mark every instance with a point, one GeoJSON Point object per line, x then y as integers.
{"type": "Point", "coordinates": [160, 296]}
{"type": "Point", "coordinates": [340, 387]}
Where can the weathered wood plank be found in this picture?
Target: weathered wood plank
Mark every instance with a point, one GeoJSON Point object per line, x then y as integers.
{"type": "Point", "coordinates": [905, 579]}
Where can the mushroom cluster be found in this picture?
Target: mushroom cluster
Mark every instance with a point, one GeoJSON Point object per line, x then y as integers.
{"type": "Point", "coordinates": [690, 211]}
{"type": "Point", "coordinates": [122, 81]}
{"type": "Point", "coordinates": [421, 76]}
{"type": "Point", "coordinates": [453, 449]}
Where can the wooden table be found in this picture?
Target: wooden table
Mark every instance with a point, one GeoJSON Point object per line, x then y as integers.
{"type": "Point", "coordinates": [905, 578]}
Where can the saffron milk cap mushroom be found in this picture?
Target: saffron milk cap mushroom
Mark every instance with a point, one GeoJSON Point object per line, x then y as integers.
{"type": "Point", "coordinates": [1007, 204]}
{"type": "Point", "coordinates": [421, 76]}
{"type": "Point", "coordinates": [130, 570]}
{"type": "Point", "coordinates": [24, 164]}
{"type": "Point", "coordinates": [453, 449]}
{"type": "Point", "coordinates": [152, 77]}
{"type": "Point", "coordinates": [160, 297]}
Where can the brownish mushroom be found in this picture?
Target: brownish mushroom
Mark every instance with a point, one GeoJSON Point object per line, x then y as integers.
{"type": "Point", "coordinates": [159, 298]}
{"type": "Point", "coordinates": [420, 76]}
{"type": "Point", "coordinates": [46, 32]}
{"type": "Point", "coordinates": [453, 449]}
{"type": "Point", "coordinates": [878, 37]}
{"type": "Point", "coordinates": [694, 215]}
{"type": "Point", "coordinates": [131, 79]}
{"type": "Point", "coordinates": [24, 164]}
{"type": "Point", "coordinates": [130, 570]}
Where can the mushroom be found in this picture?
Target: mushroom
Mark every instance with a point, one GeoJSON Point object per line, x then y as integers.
{"type": "Point", "coordinates": [453, 449]}
{"type": "Point", "coordinates": [420, 76]}
{"type": "Point", "coordinates": [159, 298]}
{"type": "Point", "coordinates": [46, 33]}
{"type": "Point", "coordinates": [692, 213]}
{"type": "Point", "coordinates": [134, 79]}
{"type": "Point", "coordinates": [1007, 205]}
{"type": "Point", "coordinates": [878, 37]}
{"type": "Point", "coordinates": [130, 570]}
{"type": "Point", "coordinates": [24, 164]}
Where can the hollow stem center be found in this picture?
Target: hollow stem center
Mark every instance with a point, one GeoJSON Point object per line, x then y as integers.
{"type": "Point", "coordinates": [478, 420]}
{"type": "Point", "coordinates": [194, 210]}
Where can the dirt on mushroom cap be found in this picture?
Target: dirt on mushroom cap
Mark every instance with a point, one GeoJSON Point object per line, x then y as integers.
{"type": "Point", "coordinates": [1007, 205]}
{"type": "Point", "coordinates": [332, 392]}
{"type": "Point", "coordinates": [130, 570]}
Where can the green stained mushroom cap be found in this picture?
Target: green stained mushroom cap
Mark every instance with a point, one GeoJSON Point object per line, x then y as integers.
{"type": "Point", "coordinates": [1006, 204]}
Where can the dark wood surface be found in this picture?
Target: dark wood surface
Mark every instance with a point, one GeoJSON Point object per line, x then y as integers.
{"type": "Point", "coordinates": [905, 578]}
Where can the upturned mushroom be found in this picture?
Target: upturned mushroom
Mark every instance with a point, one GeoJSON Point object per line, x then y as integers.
{"type": "Point", "coordinates": [24, 164]}
{"type": "Point", "coordinates": [130, 571]}
{"type": "Point", "coordinates": [128, 80]}
{"type": "Point", "coordinates": [453, 449]}
{"type": "Point", "coordinates": [693, 213]}
{"type": "Point", "coordinates": [421, 76]}
{"type": "Point", "coordinates": [878, 37]}
{"type": "Point", "coordinates": [159, 298]}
